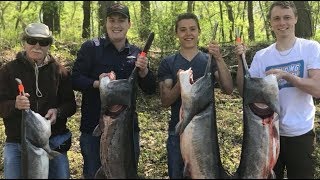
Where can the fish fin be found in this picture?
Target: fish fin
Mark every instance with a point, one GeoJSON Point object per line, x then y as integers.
{"type": "Point", "coordinates": [186, 173]}
{"type": "Point", "coordinates": [53, 154]}
{"type": "Point", "coordinates": [272, 175]}
{"type": "Point", "coordinates": [177, 128]}
{"type": "Point", "coordinates": [99, 174]}
{"type": "Point", "coordinates": [97, 131]}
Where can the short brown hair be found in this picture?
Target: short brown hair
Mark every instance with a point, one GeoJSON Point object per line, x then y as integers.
{"type": "Point", "coordinates": [187, 16]}
{"type": "Point", "coordinates": [283, 5]}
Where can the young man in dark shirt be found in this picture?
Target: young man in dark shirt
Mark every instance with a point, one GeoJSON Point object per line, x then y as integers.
{"type": "Point", "coordinates": [96, 58]}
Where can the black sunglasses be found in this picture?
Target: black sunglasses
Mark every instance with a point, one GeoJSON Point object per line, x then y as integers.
{"type": "Point", "coordinates": [42, 42]}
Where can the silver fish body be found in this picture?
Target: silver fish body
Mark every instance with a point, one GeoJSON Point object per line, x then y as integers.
{"type": "Point", "coordinates": [35, 149]}
{"type": "Point", "coordinates": [116, 144]}
{"type": "Point", "coordinates": [261, 140]}
{"type": "Point", "coordinates": [197, 127]}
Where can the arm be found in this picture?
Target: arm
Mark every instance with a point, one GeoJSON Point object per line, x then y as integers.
{"type": "Point", "coordinates": [82, 66]}
{"type": "Point", "coordinates": [169, 93]}
{"type": "Point", "coordinates": [223, 75]}
{"type": "Point", "coordinates": [239, 49]}
{"type": "Point", "coordinates": [146, 79]}
{"type": "Point", "coordinates": [67, 104]}
{"type": "Point", "coordinates": [7, 99]}
{"type": "Point", "coordinates": [309, 85]}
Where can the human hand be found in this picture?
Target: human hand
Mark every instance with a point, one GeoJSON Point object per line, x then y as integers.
{"type": "Point", "coordinates": [240, 49]}
{"type": "Point", "coordinates": [52, 115]}
{"type": "Point", "coordinates": [22, 102]}
{"type": "Point", "coordinates": [142, 64]}
{"type": "Point", "coordinates": [111, 75]}
{"type": "Point", "coordinates": [277, 72]}
{"type": "Point", "coordinates": [191, 81]}
{"type": "Point", "coordinates": [214, 50]}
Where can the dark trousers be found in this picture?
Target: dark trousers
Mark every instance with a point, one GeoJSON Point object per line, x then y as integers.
{"type": "Point", "coordinates": [296, 156]}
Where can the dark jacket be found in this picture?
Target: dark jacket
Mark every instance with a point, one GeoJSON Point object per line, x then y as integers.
{"type": "Point", "coordinates": [99, 56]}
{"type": "Point", "coordinates": [54, 83]}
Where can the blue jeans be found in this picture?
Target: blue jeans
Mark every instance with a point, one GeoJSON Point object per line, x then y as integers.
{"type": "Point", "coordinates": [175, 161]}
{"type": "Point", "coordinates": [90, 150]}
{"type": "Point", "coordinates": [58, 166]}
{"type": "Point", "coordinates": [12, 160]}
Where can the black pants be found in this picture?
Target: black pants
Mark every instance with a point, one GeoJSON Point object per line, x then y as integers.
{"type": "Point", "coordinates": [296, 156]}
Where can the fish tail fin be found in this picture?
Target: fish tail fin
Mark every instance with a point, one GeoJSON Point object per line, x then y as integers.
{"type": "Point", "coordinates": [53, 154]}
{"type": "Point", "coordinates": [97, 131]}
{"type": "Point", "coordinates": [99, 174]}
{"type": "Point", "coordinates": [186, 173]}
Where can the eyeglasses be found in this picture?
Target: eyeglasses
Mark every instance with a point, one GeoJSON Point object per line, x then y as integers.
{"type": "Point", "coordinates": [42, 42]}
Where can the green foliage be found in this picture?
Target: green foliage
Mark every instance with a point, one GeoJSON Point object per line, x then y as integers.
{"type": "Point", "coordinates": [16, 14]}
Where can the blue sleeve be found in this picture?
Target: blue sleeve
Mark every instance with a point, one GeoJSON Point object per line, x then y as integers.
{"type": "Point", "coordinates": [82, 66]}
{"type": "Point", "coordinates": [148, 83]}
{"type": "Point", "coordinates": [164, 71]}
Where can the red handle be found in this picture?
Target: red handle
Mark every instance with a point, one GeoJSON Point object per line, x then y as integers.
{"type": "Point", "coordinates": [238, 40]}
{"type": "Point", "coordinates": [21, 89]}
{"type": "Point", "coordinates": [143, 54]}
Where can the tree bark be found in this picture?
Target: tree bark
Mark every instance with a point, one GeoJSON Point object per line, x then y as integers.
{"type": "Point", "coordinates": [103, 5]}
{"type": "Point", "coordinates": [144, 28]}
{"type": "Point", "coordinates": [265, 22]}
{"type": "Point", "coordinates": [304, 24]}
{"type": "Point", "coordinates": [251, 21]}
{"type": "Point", "coordinates": [51, 15]}
{"type": "Point", "coordinates": [190, 6]}
{"type": "Point", "coordinates": [231, 19]}
{"type": "Point", "coordinates": [86, 19]}
{"type": "Point", "coordinates": [222, 24]}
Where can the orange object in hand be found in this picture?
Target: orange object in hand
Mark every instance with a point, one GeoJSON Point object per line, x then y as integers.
{"type": "Point", "coordinates": [21, 89]}
{"type": "Point", "coordinates": [143, 54]}
{"type": "Point", "coordinates": [238, 40]}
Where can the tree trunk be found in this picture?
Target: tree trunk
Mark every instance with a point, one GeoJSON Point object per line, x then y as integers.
{"type": "Point", "coordinates": [190, 6]}
{"type": "Point", "coordinates": [103, 5]}
{"type": "Point", "coordinates": [304, 24]}
{"type": "Point", "coordinates": [144, 28]}
{"type": "Point", "coordinates": [251, 21]}
{"type": "Point", "coordinates": [86, 19]}
{"type": "Point", "coordinates": [243, 18]}
{"type": "Point", "coordinates": [231, 19]}
{"type": "Point", "coordinates": [51, 16]}
{"type": "Point", "coordinates": [222, 24]}
{"type": "Point", "coordinates": [265, 21]}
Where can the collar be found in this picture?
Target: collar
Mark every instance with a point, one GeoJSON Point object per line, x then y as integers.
{"type": "Point", "coordinates": [22, 55]}
{"type": "Point", "coordinates": [107, 43]}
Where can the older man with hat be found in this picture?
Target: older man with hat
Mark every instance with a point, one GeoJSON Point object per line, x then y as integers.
{"type": "Point", "coordinates": [100, 57]}
{"type": "Point", "coordinates": [48, 91]}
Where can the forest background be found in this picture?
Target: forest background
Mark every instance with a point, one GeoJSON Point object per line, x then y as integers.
{"type": "Point", "coordinates": [73, 22]}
